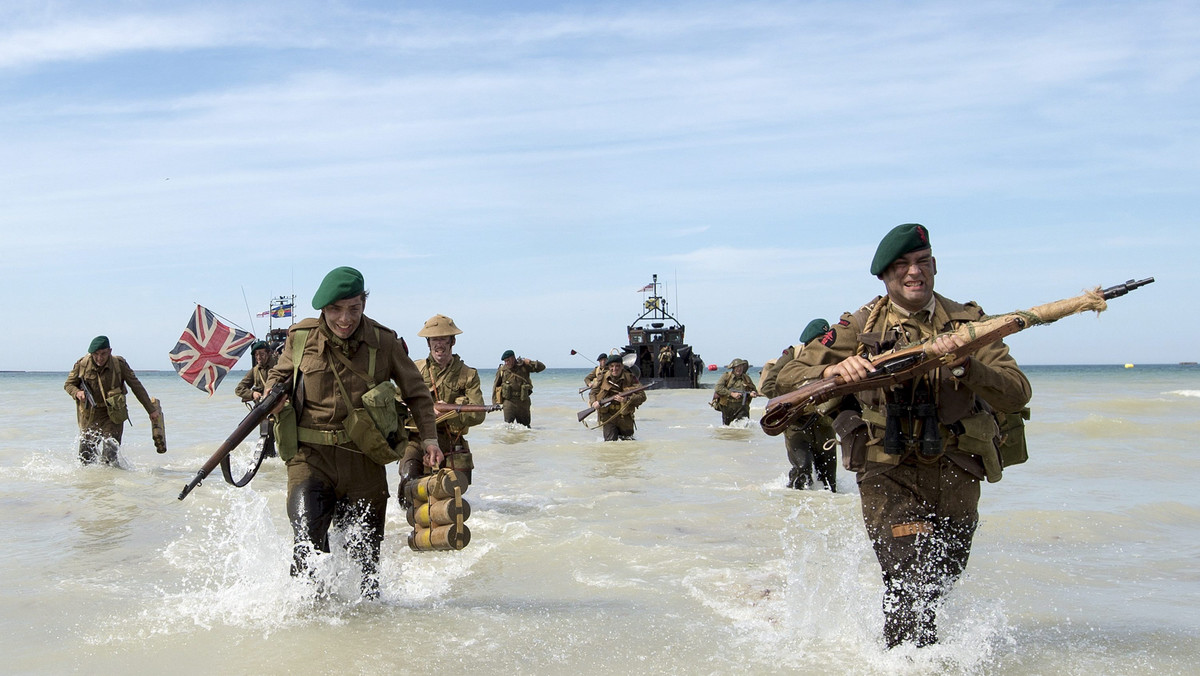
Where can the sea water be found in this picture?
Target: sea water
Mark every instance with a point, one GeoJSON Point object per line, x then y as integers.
{"type": "Point", "coordinates": [681, 552]}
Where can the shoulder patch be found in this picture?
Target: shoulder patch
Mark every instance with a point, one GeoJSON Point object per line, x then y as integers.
{"type": "Point", "coordinates": [844, 322]}
{"type": "Point", "coordinates": [829, 337]}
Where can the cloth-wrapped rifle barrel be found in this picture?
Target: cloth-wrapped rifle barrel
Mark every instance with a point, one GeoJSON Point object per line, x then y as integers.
{"type": "Point", "coordinates": [899, 366]}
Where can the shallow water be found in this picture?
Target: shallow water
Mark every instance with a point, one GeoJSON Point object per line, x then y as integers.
{"type": "Point", "coordinates": [680, 552]}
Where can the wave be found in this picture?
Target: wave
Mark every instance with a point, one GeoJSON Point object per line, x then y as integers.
{"type": "Point", "coordinates": [1184, 393]}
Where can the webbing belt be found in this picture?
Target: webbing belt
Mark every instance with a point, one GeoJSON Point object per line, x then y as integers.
{"type": "Point", "coordinates": [306, 435]}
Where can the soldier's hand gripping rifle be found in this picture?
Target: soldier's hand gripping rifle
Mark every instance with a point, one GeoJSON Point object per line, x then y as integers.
{"type": "Point", "coordinates": [87, 395]}
{"type": "Point", "coordinates": [896, 367]}
{"type": "Point", "coordinates": [582, 415]}
{"type": "Point", "coordinates": [243, 430]}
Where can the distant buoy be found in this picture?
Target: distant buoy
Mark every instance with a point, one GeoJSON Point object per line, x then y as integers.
{"type": "Point", "coordinates": [1129, 366]}
{"type": "Point", "coordinates": [712, 367]}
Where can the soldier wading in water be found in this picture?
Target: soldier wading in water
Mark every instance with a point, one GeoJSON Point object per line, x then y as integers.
{"type": "Point", "coordinates": [334, 432]}
{"type": "Point", "coordinates": [453, 382]}
{"type": "Point", "coordinates": [919, 481]}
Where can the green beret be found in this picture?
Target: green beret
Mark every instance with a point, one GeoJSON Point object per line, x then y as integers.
{"type": "Point", "coordinates": [259, 345]}
{"type": "Point", "coordinates": [507, 354]}
{"type": "Point", "coordinates": [602, 356]}
{"type": "Point", "coordinates": [614, 359]}
{"type": "Point", "coordinates": [98, 343]}
{"type": "Point", "coordinates": [816, 327]}
{"type": "Point", "coordinates": [901, 240]}
{"type": "Point", "coordinates": [339, 284]}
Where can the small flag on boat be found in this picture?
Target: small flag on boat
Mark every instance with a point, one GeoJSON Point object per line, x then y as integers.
{"type": "Point", "coordinates": [207, 350]}
{"type": "Point", "coordinates": [648, 287]}
{"type": "Point", "coordinates": [264, 313]}
{"type": "Point", "coordinates": [282, 310]}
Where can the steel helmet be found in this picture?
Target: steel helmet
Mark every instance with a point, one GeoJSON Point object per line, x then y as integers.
{"type": "Point", "coordinates": [439, 325]}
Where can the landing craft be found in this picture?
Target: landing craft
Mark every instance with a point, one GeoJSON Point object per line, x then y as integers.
{"type": "Point", "coordinates": [649, 334]}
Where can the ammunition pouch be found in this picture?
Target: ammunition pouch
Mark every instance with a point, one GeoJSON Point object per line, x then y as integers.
{"type": "Point", "coordinates": [380, 403]}
{"type": "Point", "coordinates": [852, 434]}
{"type": "Point", "coordinates": [979, 436]}
{"type": "Point", "coordinates": [361, 429]}
{"type": "Point", "coordinates": [459, 460]}
{"type": "Point", "coordinates": [286, 435]}
{"type": "Point", "coordinates": [118, 410]}
{"type": "Point", "coordinates": [1013, 450]}
{"type": "Point", "coordinates": [515, 390]}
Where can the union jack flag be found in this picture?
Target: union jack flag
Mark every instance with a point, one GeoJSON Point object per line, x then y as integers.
{"type": "Point", "coordinates": [207, 350]}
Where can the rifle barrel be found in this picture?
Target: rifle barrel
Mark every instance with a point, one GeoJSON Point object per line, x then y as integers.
{"type": "Point", "coordinates": [1122, 289]}
{"type": "Point", "coordinates": [250, 423]}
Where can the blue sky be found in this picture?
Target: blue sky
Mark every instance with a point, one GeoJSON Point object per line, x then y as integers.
{"type": "Point", "coordinates": [526, 167]}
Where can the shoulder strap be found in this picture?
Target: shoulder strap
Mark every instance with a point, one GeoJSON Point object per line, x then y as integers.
{"type": "Point", "coordinates": [299, 340]}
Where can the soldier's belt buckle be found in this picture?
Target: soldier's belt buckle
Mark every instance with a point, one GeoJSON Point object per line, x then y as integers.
{"type": "Point", "coordinates": [900, 530]}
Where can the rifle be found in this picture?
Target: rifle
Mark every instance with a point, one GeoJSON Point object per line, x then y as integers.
{"type": "Point", "coordinates": [440, 407]}
{"type": "Point", "coordinates": [87, 395]}
{"type": "Point", "coordinates": [893, 368]}
{"type": "Point", "coordinates": [608, 400]}
{"type": "Point", "coordinates": [248, 424]}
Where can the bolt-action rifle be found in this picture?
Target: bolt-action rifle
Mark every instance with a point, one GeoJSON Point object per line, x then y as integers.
{"type": "Point", "coordinates": [243, 430]}
{"type": "Point", "coordinates": [608, 400]}
{"type": "Point", "coordinates": [445, 411]}
{"type": "Point", "coordinates": [892, 368]}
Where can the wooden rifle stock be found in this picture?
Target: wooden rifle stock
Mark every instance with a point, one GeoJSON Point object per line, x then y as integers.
{"type": "Point", "coordinates": [445, 411]}
{"type": "Point", "coordinates": [608, 400]}
{"type": "Point", "coordinates": [250, 423]}
{"type": "Point", "coordinates": [897, 367]}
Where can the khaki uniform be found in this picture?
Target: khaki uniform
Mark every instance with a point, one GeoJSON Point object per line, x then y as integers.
{"type": "Point", "coordinates": [617, 418]}
{"type": "Point", "coordinates": [920, 512]}
{"type": "Point", "coordinates": [807, 442]}
{"type": "Point", "coordinates": [256, 377]}
{"type": "Point", "coordinates": [334, 484]}
{"type": "Point", "coordinates": [512, 388]}
{"type": "Point", "coordinates": [455, 384]}
{"type": "Point", "coordinates": [666, 361]}
{"type": "Point", "coordinates": [100, 436]}
{"type": "Point", "coordinates": [733, 408]}
{"type": "Point", "coordinates": [590, 379]}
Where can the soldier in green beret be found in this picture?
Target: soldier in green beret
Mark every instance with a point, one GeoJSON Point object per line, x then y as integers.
{"type": "Point", "coordinates": [598, 372]}
{"type": "Point", "coordinates": [252, 385]}
{"type": "Point", "coordinates": [733, 392]}
{"type": "Point", "coordinates": [616, 417]}
{"type": "Point", "coordinates": [97, 384]}
{"type": "Point", "coordinates": [919, 479]}
{"type": "Point", "coordinates": [808, 442]}
{"type": "Point", "coordinates": [512, 386]}
{"type": "Point", "coordinates": [337, 366]}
